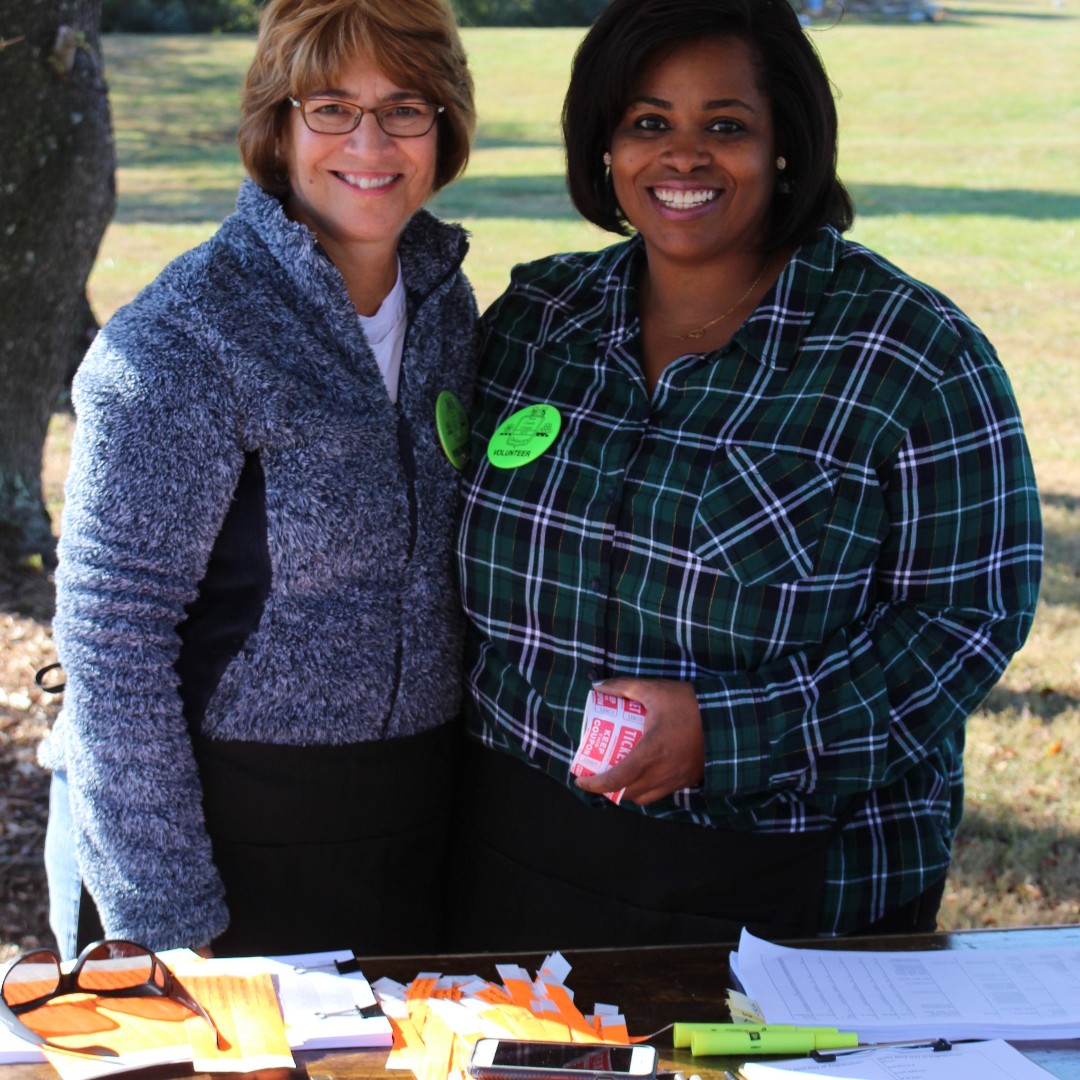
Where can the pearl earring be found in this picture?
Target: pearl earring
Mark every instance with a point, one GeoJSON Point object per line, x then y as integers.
{"type": "Point", "coordinates": [607, 159]}
{"type": "Point", "coordinates": [781, 164]}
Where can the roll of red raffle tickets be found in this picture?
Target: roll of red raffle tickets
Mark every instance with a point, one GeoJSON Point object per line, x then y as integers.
{"type": "Point", "coordinates": [610, 729]}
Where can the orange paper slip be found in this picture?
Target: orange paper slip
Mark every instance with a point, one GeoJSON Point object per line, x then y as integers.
{"type": "Point", "coordinates": [136, 1032]}
{"type": "Point", "coordinates": [245, 1009]}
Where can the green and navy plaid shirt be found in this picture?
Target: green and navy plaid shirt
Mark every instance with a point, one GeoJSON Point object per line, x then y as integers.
{"type": "Point", "coordinates": [830, 527]}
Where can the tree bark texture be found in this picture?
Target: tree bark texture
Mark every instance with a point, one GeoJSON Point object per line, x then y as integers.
{"type": "Point", "coordinates": [57, 195]}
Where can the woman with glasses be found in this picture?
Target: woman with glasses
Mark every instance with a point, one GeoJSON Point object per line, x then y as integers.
{"type": "Point", "coordinates": [256, 609]}
{"type": "Point", "coordinates": [778, 494]}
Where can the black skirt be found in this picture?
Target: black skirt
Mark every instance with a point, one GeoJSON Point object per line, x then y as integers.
{"type": "Point", "coordinates": [331, 847]}
{"type": "Point", "coordinates": [537, 868]}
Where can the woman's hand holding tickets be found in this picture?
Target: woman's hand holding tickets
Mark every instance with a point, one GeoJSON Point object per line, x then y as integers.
{"type": "Point", "coordinates": [671, 753]}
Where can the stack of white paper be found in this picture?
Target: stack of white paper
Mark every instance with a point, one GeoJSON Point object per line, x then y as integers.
{"type": "Point", "coordinates": [993, 1060]}
{"type": "Point", "coordinates": [322, 1008]}
{"type": "Point", "coordinates": [896, 996]}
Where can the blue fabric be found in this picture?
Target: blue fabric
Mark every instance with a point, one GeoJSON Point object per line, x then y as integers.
{"type": "Point", "coordinates": [61, 869]}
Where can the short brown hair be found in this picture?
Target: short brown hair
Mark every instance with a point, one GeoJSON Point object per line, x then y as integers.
{"type": "Point", "coordinates": [302, 43]}
{"type": "Point", "coordinates": [629, 34]}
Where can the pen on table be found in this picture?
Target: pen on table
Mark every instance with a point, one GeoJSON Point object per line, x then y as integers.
{"type": "Point", "coordinates": [827, 1056]}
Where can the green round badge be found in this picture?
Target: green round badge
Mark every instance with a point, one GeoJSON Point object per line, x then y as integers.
{"type": "Point", "coordinates": [453, 427]}
{"type": "Point", "coordinates": [523, 437]}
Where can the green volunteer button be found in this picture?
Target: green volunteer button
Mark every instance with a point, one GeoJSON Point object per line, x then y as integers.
{"type": "Point", "coordinates": [453, 427]}
{"type": "Point", "coordinates": [523, 437]}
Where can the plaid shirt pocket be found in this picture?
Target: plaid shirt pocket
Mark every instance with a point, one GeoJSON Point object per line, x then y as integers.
{"type": "Point", "coordinates": [761, 518]}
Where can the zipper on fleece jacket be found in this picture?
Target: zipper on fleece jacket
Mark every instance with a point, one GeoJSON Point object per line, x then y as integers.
{"type": "Point", "coordinates": [408, 466]}
{"type": "Point", "coordinates": [407, 458]}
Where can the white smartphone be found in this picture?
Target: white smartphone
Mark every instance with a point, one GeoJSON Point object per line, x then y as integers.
{"type": "Point", "coordinates": [510, 1059]}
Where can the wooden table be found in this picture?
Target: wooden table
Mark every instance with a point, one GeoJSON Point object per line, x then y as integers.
{"type": "Point", "coordinates": [653, 986]}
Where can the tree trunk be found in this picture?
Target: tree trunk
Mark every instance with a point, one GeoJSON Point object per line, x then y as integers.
{"type": "Point", "coordinates": [57, 195]}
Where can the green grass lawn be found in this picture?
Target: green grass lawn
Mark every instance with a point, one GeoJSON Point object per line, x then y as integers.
{"type": "Point", "coordinates": [960, 142]}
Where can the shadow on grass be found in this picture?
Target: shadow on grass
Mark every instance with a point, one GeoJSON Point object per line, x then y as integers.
{"type": "Point", "coordinates": [1011, 864]}
{"type": "Point", "coordinates": [177, 204]}
{"type": "Point", "coordinates": [157, 145]}
{"type": "Point", "coordinates": [1044, 703]}
{"type": "Point", "coordinates": [963, 18]}
{"type": "Point", "coordinates": [1042, 843]}
{"type": "Point", "coordinates": [533, 197]}
{"type": "Point", "coordinates": [1055, 500]}
{"type": "Point", "coordinates": [488, 141]}
{"type": "Point", "coordinates": [880, 200]}
{"type": "Point", "coordinates": [1061, 538]}
{"type": "Point", "coordinates": [915, 16]}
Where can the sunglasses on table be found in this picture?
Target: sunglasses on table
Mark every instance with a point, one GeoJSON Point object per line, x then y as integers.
{"type": "Point", "coordinates": [106, 969]}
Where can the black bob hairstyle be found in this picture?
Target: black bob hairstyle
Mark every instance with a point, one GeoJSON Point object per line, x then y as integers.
{"type": "Point", "coordinates": [630, 33]}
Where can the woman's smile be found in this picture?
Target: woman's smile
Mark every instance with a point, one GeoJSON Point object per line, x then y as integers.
{"type": "Point", "coordinates": [683, 199]}
{"type": "Point", "coordinates": [367, 182]}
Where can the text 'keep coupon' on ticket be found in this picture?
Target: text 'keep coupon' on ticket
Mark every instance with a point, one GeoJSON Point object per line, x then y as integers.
{"type": "Point", "coordinates": [612, 727]}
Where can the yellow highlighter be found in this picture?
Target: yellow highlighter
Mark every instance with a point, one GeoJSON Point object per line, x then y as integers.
{"type": "Point", "coordinates": [739, 1040]}
{"type": "Point", "coordinates": [683, 1033]}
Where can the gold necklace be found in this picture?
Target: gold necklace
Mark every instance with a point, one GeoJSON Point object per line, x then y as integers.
{"type": "Point", "coordinates": [693, 335]}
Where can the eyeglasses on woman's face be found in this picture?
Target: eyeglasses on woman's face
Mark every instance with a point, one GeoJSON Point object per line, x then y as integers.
{"type": "Point", "coordinates": [399, 119]}
{"type": "Point", "coordinates": [105, 969]}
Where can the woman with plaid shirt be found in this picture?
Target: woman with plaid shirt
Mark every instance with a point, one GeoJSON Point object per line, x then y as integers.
{"type": "Point", "coordinates": [789, 509]}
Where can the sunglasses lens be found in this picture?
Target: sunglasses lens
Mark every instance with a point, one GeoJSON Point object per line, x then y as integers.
{"type": "Point", "coordinates": [35, 975]}
{"type": "Point", "coordinates": [115, 965]}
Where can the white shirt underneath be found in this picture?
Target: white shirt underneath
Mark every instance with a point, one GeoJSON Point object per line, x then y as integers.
{"type": "Point", "coordinates": [385, 332]}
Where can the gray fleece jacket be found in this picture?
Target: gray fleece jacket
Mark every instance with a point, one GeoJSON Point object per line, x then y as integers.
{"type": "Point", "coordinates": [249, 344]}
